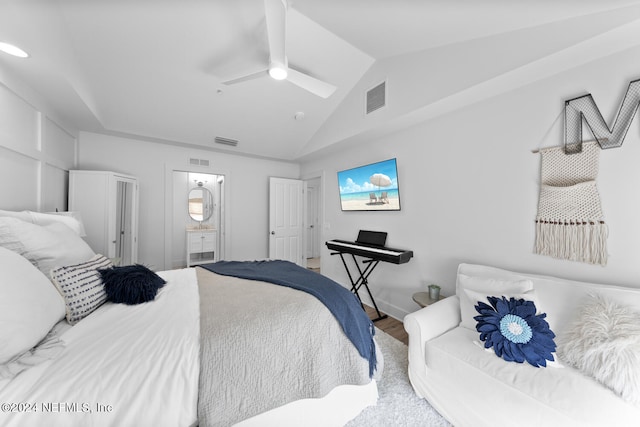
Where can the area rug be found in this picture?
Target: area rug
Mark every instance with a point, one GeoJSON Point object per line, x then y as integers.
{"type": "Point", "coordinates": [397, 405]}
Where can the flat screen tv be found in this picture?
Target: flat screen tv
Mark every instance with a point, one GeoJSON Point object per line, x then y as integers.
{"type": "Point", "coordinates": [372, 187]}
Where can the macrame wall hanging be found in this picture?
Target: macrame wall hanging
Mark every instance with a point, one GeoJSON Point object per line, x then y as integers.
{"type": "Point", "coordinates": [570, 224]}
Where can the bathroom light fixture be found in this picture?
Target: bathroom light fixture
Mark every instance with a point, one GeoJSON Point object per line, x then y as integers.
{"type": "Point", "coordinates": [13, 50]}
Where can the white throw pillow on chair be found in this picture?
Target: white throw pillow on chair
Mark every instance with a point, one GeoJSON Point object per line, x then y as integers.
{"type": "Point", "coordinates": [488, 287]}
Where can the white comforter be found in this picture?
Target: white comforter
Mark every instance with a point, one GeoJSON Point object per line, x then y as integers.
{"type": "Point", "coordinates": [88, 385]}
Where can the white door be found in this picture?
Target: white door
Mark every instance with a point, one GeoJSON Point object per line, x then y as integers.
{"type": "Point", "coordinates": [313, 218]}
{"type": "Point", "coordinates": [286, 220]}
{"type": "Point", "coordinates": [311, 222]}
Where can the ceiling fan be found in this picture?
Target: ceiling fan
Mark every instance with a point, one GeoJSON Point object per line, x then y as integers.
{"type": "Point", "coordinates": [276, 17]}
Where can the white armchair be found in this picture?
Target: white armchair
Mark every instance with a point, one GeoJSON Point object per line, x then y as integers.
{"type": "Point", "coordinates": [424, 325]}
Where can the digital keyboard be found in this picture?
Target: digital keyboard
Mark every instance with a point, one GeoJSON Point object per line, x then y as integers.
{"type": "Point", "coordinates": [377, 253]}
{"type": "Point", "coordinates": [371, 246]}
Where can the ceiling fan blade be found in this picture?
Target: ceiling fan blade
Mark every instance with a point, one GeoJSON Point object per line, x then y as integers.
{"type": "Point", "coordinates": [276, 17]}
{"type": "Point", "coordinates": [251, 76]}
{"type": "Point", "coordinates": [311, 84]}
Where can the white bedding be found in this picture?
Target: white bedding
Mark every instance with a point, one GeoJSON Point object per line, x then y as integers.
{"type": "Point", "coordinates": [87, 385]}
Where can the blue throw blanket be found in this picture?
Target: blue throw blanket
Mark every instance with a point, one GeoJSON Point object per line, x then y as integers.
{"type": "Point", "coordinates": [341, 302]}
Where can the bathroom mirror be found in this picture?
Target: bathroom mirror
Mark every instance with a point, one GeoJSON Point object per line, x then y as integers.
{"type": "Point", "coordinates": [200, 203]}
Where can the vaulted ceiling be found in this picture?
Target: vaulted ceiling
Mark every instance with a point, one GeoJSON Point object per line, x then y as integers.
{"type": "Point", "coordinates": [154, 69]}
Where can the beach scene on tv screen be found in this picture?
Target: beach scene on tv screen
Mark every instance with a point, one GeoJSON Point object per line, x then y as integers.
{"type": "Point", "coordinates": [370, 187]}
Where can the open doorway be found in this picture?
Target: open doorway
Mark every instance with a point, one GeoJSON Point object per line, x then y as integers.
{"type": "Point", "coordinates": [313, 235]}
{"type": "Point", "coordinates": [198, 229]}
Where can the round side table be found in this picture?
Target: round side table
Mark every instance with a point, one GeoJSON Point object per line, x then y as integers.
{"type": "Point", "coordinates": [423, 300]}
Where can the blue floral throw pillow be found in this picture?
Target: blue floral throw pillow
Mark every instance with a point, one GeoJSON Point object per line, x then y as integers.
{"type": "Point", "coordinates": [515, 332]}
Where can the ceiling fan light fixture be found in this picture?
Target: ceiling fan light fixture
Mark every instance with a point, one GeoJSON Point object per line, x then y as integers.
{"type": "Point", "coordinates": [13, 50]}
{"type": "Point", "coordinates": [276, 20]}
{"type": "Point", "coordinates": [278, 72]}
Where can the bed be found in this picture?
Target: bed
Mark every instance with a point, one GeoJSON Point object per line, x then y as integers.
{"type": "Point", "coordinates": [209, 349]}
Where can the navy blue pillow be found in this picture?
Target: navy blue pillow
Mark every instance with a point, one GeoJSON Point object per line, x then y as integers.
{"type": "Point", "coordinates": [131, 284]}
{"type": "Point", "coordinates": [514, 330]}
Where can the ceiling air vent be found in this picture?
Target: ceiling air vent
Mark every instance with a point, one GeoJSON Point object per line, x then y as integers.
{"type": "Point", "coordinates": [376, 97]}
{"type": "Point", "coordinates": [199, 162]}
{"type": "Point", "coordinates": [226, 141]}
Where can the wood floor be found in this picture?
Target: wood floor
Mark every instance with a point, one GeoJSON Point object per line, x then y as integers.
{"type": "Point", "coordinates": [391, 326]}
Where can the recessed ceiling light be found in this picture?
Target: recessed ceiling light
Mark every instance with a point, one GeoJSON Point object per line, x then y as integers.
{"type": "Point", "coordinates": [13, 50]}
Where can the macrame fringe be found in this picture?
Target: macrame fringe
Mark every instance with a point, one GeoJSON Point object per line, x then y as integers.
{"type": "Point", "coordinates": [584, 241]}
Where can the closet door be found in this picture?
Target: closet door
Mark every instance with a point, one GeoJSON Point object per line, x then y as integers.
{"type": "Point", "coordinates": [125, 220]}
{"type": "Point", "coordinates": [125, 239]}
{"type": "Point", "coordinates": [108, 204]}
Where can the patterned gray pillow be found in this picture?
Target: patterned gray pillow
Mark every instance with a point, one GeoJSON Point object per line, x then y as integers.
{"type": "Point", "coordinates": [81, 287]}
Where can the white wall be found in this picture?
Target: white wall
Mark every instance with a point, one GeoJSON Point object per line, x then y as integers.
{"type": "Point", "coordinates": [468, 181]}
{"type": "Point", "coordinates": [246, 187]}
{"type": "Point", "coordinates": [469, 187]}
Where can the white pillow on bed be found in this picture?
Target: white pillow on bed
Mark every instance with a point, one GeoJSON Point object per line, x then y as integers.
{"type": "Point", "coordinates": [22, 215]}
{"type": "Point", "coordinates": [29, 305]}
{"type": "Point", "coordinates": [49, 246]}
{"type": "Point", "coordinates": [70, 219]}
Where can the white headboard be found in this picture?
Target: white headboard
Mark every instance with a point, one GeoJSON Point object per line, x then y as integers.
{"type": "Point", "coordinates": [36, 154]}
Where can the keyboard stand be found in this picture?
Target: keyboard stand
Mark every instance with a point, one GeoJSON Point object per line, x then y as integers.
{"type": "Point", "coordinates": [362, 280]}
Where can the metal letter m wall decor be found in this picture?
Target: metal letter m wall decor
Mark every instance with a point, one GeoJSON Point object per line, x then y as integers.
{"type": "Point", "coordinates": [584, 109]}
